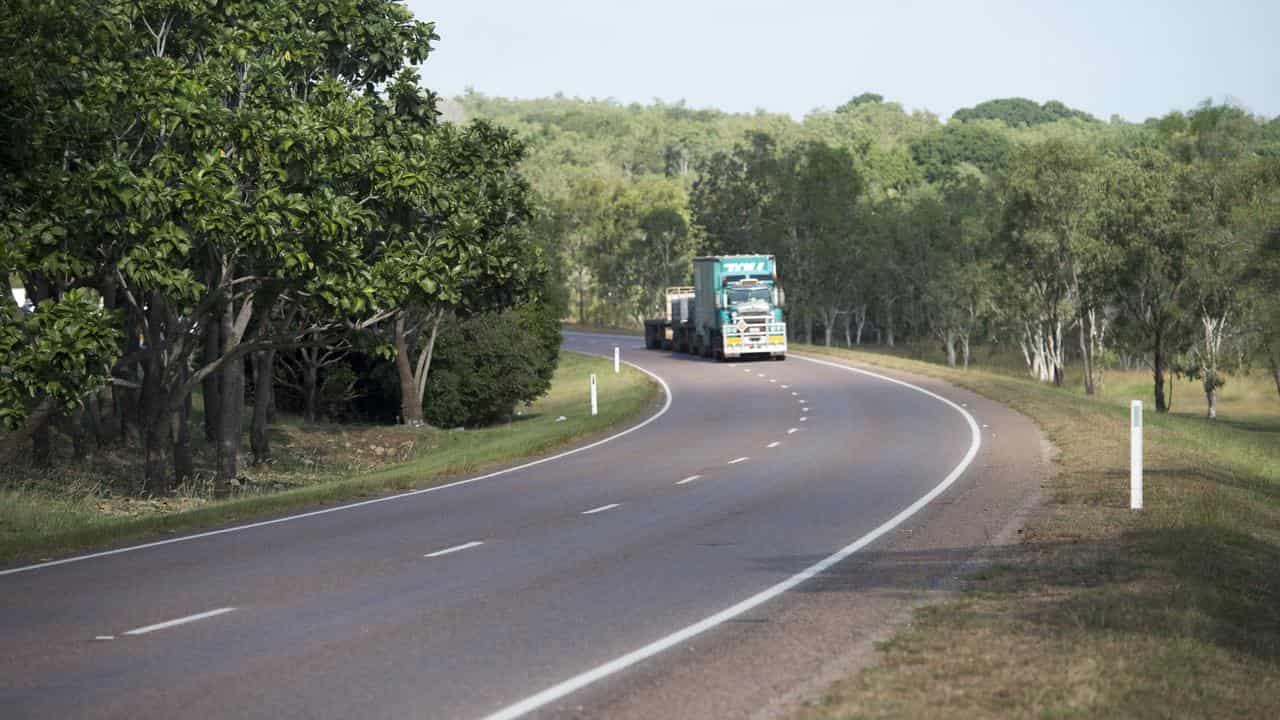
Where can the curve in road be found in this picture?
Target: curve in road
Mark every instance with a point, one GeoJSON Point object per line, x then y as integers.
{"type": "Point", "coordinates": [482, 600]}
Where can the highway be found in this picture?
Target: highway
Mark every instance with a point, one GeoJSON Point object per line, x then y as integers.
{"type": "Point", "coordinates": [639, 577]}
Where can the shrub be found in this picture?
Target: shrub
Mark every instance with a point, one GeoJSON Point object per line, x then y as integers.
{"type": "Point", "coordinates": [485, 365]}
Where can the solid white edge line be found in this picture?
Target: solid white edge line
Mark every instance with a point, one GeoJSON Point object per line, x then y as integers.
{"type": "Point", "coordinates": [454, 549]}
{"type": "Point", "coordinates": [602, 508]}
{"type": "Point", "coordinates": [363, 503]}
{"type": "Point", "coordinates": [735, 461]}
{"type": "Point", "coordinates": [180, 621]}
{"type": "Point", "coordinates": [577, 682]}
{"type": "Point", "coordinates": [689, 479]}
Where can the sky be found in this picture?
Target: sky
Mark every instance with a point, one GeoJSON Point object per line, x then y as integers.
{"type": "Point", "coordinates": [1133, 59]}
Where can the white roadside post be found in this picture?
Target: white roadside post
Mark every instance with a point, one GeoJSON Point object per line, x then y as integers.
{"type": "Point", "coordinates": [617, 359]}
{"type": "Point", "coordinates": [594, 407]}
{"type": "Point", "coordinates": [1135, 455]}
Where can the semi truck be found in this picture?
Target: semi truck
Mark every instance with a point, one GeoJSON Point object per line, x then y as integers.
{"type": "Point", "coordinates": [733, 310]}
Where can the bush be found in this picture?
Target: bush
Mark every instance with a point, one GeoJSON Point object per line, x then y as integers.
{"type": "Point", "coordinates": [485, 365]}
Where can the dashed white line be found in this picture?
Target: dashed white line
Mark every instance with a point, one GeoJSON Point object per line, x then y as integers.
{"type": "Point", "coordinates": [601, 509]}
{"type": "Point", "coordinates": [793, 431]}
{"type": "Point", "coordinates": [587, 677]}
{"type": "Point", "coordinates": [666, 405]}
{"type": "Point", "coordinates": [773, 444]}
{"type": "Point", "coordinates": [804, 419]}
{"type": "Point", "coordinates": [735, 461]}
{"type": "Point", "coordinates": [784, 387]}
{"type": "Point", "coordinates": [688, 480]}
{"type": "Point", "coordinates": [105, 637]}
{"type": "Point", "coordinates": [793, 392]}
{"type": "Point", "coordinates": [759, 374]}
{"type": "Point", "coordinates": [455, 548]}
{"type": "Point", "coordinates": [772, 380]}
{"type": "Point", "coordinates": [180, 621]}
{"type": "Point", "coordinates": [746, 370]}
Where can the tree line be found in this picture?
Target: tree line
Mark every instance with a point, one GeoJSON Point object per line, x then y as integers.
{"type": "Point", "coordinates": [1032, 226]}
{"type": "Point", "coordinates": [215, 201]}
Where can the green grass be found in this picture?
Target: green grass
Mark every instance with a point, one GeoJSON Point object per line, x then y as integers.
{"type": "Point", "coordinates": [1099, 611]}
{"type": "Point", "coordinates": [35, 524]}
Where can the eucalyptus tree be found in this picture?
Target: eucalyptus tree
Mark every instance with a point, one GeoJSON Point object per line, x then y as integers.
{"type": "Point", "coordinates": [1050, 201]}
{"type": "Point", "coordinates": [1146, 220]}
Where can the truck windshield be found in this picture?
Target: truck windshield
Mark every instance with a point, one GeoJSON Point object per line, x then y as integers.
{"type": "Point", "coordinates": [738, 296]}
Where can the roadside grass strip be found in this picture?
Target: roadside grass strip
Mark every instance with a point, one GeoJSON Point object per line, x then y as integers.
{"type": "Point", "coordinates": [36, 526]}
{"type": "Point", "coordinates": [1099, 611]}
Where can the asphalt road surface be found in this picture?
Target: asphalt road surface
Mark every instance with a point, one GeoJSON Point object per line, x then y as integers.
{"type": "Point", "coordinates": [638, 577]}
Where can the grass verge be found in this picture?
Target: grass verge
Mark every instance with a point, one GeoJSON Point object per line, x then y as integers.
{"type": "Point", "coordinates": [35, 525]}
{"type": "Point", "coordinates": [1098, 611]}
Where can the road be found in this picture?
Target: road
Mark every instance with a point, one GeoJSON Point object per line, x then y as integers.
{"type": "Point", "coordinates": [632, 578]}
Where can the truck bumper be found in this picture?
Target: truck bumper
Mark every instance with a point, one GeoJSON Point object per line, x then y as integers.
{"type": "Point", "coordinates": [755, 344]}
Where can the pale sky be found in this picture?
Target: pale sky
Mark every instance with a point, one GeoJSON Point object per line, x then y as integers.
{"type": "Point", "coordinates": [1135, 59]}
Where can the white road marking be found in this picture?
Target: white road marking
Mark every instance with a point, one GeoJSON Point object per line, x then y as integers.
{"type": "Point", "coordinates": [773, 444]}
{"type": "Point", "coordinates": [600, 509]}
{"type": "Point", "coordinates": [793, 431]}
{"type": "Point", "coordinates": [735, 461]}
{"type": "Point", "coordinates": [772, 380]}
{"type": "Point", "coordinates": [793, 392]}
{"type": "Point", "coordinates": [804, 419]}
{"type": "Point", "coordinates": [985, 425]}
{"type": "Point", "coordinates": [363, 503]}
{"type": "Point", "coordinates": [105, 637]}
{"type": "Point", "coordinates": [179, 621]}
{"type": "Point", "coordinates": [687, 480]}
{"type": "Point", "coordinates": [759, 374]}
{"type": "Point", "coordinates": [784, 387]}
{"type": "Point", "coordinates": [455, 548]}
{"type": "Point", "coordinates": [746, 370]}
{"type": "Point", "coordinates": [581, 680]}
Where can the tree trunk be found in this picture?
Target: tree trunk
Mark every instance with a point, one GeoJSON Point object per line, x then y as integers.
{"type": "Point", "coordinates": [211, 387]}
{"type": "Point", "coordinates": [808, 327]}
{"type": "Point", "coordinates": [184, 467]}
{"type": "Point", "coordinates": [410, 401]}
{"type": "Point", "coordinates": [964, 349]}
{"type": "Point", "coordinates": [231, 417]}
{"type": "Point", "coordinates": [1211, 397]}
{"type": "Point", "coordinates": [14, 443]}
{"type": "Point", "coordinates": [862, 323]}
{"type": "Point", "coordinates": [259, 437]}
{"type": "Point", "coordinates": [828, 325]}
{"type": "Point", "coordinates": [1086, 353]}
{"type": "Point", "coordinates": [1158, 367]}
{"type": "Point", "coordinates": [888, 324]}
{"type": "Point", "coordinates": [848, 331]}
{"type": "Point", "coordinates": [1275, 372]}
{"type": "Point", "coordinates": [310, 390]}
{"type": "Point", "coordinates": [949, 340]}
{"type": "Point", "coordinates": [151, 405]}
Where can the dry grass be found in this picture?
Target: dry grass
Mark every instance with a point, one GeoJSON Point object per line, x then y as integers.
{"type": "Point", "coordinates": [1101, 612]}
{"type": "Point", "coordinates": [78, 506]}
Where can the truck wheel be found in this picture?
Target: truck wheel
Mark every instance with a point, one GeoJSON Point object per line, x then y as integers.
{"type": "Point", "coordinates": [779, 357]}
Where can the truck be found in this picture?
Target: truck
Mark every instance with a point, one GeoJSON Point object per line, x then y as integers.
{"type": "Point", "coordinates": [733, 310]}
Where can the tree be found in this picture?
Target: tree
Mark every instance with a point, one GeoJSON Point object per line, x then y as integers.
{"type": "Point", "coordinates": [1051, 200]}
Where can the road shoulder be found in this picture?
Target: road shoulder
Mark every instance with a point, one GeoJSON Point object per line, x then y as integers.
{"type": "Point", "coordinates": [787, 653]}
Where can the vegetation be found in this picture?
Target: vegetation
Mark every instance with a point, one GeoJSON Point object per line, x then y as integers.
{"type": "Point", "coordinates": [1097, 611]}
{"type": "Point", "coordinates": [81, 506]}
{"type": "Point", "coordinates": [216, 199]}
{"type": "Point", "coordinates": [1014, 224]}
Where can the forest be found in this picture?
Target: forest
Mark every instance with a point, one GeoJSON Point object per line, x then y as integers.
{"type": "Point", "coordinates": [212, 212]}
{"type": "Point", "coordinates": [1033, 227]}
{"type": "Point", "coordinates": [215, 214]}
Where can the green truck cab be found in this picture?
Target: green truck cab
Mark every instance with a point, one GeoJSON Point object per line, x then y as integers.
{"type": "Point", "coordinates": [734, 309]}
